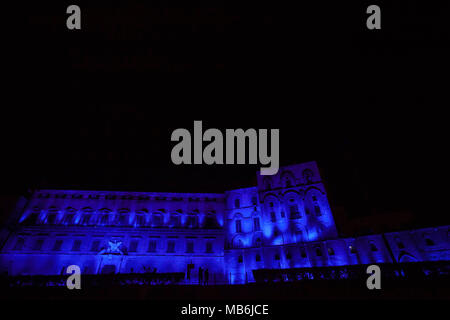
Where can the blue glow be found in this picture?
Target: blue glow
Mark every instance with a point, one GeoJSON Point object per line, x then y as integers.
{"type": "Point", "coordinates": [308, 238]}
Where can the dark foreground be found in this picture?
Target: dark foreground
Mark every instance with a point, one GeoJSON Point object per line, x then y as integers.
{"type": "Point", "coordinates": [438, 289]}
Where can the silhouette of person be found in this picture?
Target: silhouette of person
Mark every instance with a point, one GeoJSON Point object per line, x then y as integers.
{"type": "Point", "coordinates": [188, 272]}
{"type": "Point", "coordinates": [206, 277]}
{"type": "Point", "coordinates": [200, 275]}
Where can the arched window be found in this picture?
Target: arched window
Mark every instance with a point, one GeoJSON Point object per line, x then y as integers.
{"type": "Point", "coordinates": [238, 226]}
{"type": "Point", "coordinates": [238, 243]}
{"type": "Point", "coordinates": [237, 203]}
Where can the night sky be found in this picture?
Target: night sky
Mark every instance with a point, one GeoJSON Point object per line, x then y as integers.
{"type": "Point", "coordinates": [94, 109]}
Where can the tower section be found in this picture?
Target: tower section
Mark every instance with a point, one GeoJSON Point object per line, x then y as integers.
{"type": "Point", "coordinates": [294, 206]}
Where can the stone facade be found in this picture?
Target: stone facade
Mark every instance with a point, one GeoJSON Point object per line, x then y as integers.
{"type": "Point", "coordinates": [283, 222]}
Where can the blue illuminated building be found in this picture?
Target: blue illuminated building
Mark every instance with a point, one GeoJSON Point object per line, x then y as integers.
{"type": "Point", "coordinates": [283, 222]}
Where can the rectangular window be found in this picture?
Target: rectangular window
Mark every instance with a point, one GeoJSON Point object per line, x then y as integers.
{"type": "Point", "coordinates": [57, 245]}
{"type": "Point", "coordinates": [95, 247]}
{"type": "Point", "coordinates": [192, 221]}
{"type": "Point", "coordinates": [175, 221]}
{"type": "Point", "coordinates": [76, 245]}
{"type": "Point", "coordinates": [123, 219]}
{"type": "Point", "coordinates": [104, 220]}
{"type": "Point", "coordinates": [171, 246]}
{"type": "Point", "coordinates": [157, 220]}
{"type": "Point", "coordinates": [68, 219]}
{"type": "Point", "coordinates": [273, 217]}
{"type": "Point", "coordinates": [190, 246]}
{"type": "Point", "coordinates": [86, 219]}
{"type": "Point", "coordinates": [19, 244]}
{"type": "Point", "coordinates": [256, 224]}
{"type": "Point", "coordinates": [303, 253]}
{"type": "Point", "coordinates": [51, 218]}
{"type": "Point", "coordinates": [32, 219]}
{"type": "Point", "coordinates": [318, 252]}
{"type": "Point", "coordinates": [152, 246]}
{"type": "Point", "coordinates": [133, 246]}
{"type": "Point", "coordinates": [209, 247]}
{"type": "Point", "coordinates": [140, 220]}
{"type": "Point", "coordinates": [238, 226]}
{"type": "Point", "coordinates": [38, 244]}
{"type": "Point", "coordinates": [317, 210]}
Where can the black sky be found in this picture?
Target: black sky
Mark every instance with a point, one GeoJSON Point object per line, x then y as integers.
{"type": "Point", "coordinates": [94, 109]}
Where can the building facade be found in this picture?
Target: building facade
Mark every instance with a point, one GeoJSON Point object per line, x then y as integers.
{"type": "Point", "coordinates": [283, 222]}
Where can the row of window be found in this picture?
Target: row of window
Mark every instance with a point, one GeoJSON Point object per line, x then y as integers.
{"type": "Point", "coordinates": [303, 254]}
{"type": "Point", "coordinates": [294, 212]}
{"type": "Point", "coordinates": [428, 242]}
{"type": "Point", "coordinates": [140, 220]}
{"type": "Point", "coordinates": [237, 202]}
{"type": "Point", "coordinates": [96, 246]}
{"type": "Point", "coordinates": [288, 180]}
{"type": "Point", "coordinates": [123, 197]}
{"type": "Point", "coordinates": [256, 225]}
